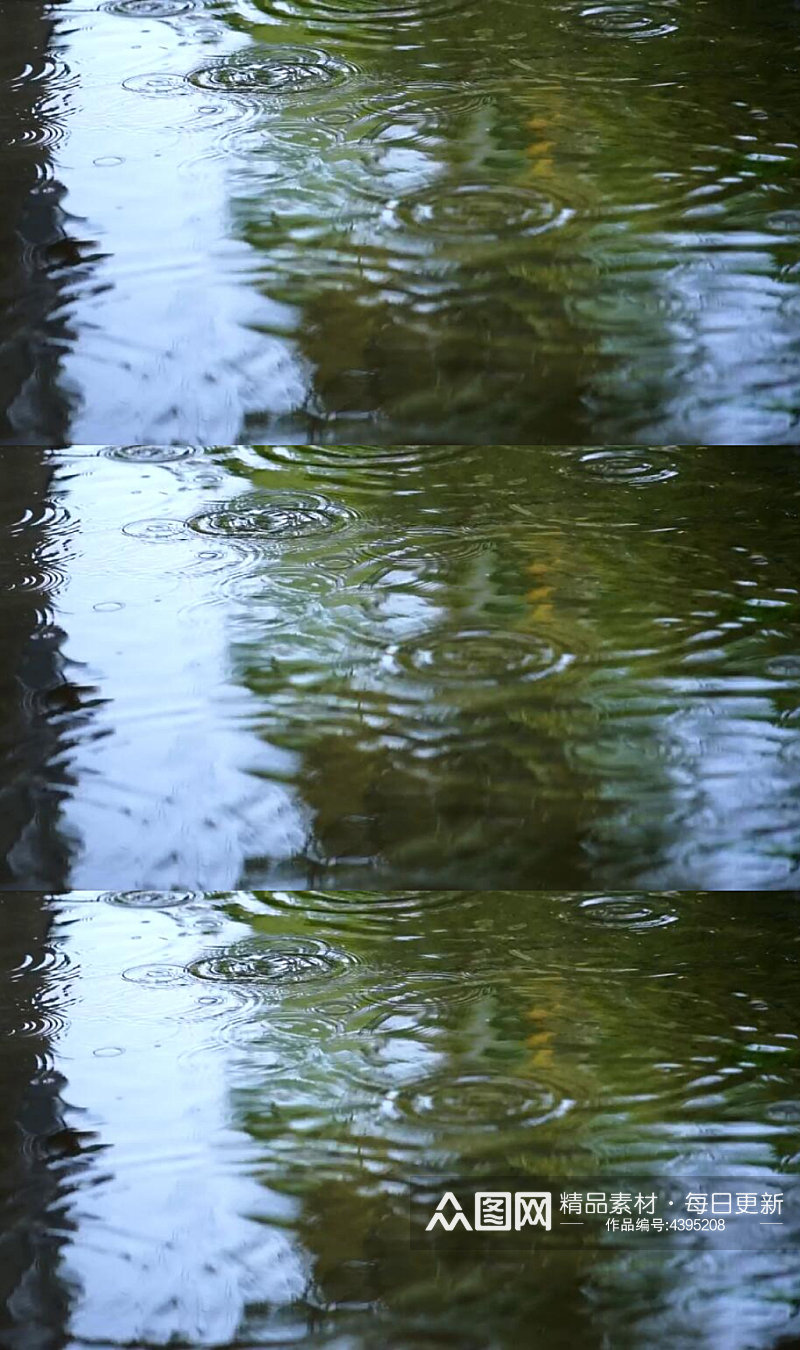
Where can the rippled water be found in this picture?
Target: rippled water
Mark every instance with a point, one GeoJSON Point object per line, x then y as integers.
{"type": "Point", "coordinates": [401, 220]}
{"type": "Point", "coordinates": [431, 666]}
{"type": "Point", "coordinates": [231, 1094]}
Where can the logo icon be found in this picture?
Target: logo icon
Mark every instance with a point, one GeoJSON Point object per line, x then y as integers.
{"type": "Point", "coordinates": [495, 1212]}
{"type": "Point", "coordinates": [440, 1216]}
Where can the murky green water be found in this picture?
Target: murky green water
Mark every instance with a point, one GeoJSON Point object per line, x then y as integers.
{"type": "Point", "coordinates": [539, 703]}
{"type": "Point", "coordinates": [424, 666]}
{"type": "Point", "coordinates": [401, 220]}
{"type": "Point", "coordinates": [220, 1102]}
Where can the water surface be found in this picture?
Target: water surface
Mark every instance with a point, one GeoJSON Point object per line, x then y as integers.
{"type": "Point", "coordinates": [417, 666]}
{"type": "Point", "coordinates": [218, 1103]}
{"type": "Point", "coordinates": [402, 220]}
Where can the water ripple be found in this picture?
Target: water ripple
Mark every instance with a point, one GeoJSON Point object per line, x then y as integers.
{"type": "Point", "coordinates": [271, 962]}
{"type": "Point", "coordinates": [47, 515]}
{"type": "Point", "coordinates": [482, 212]}
{"type": "Point", "coordinates": [471, 1104]}
{"type": "Point", "coordinates": [274, 515]}
{"type": "Point", "coordinates": [372, 466]}
{"type": "Point", "coordinates": [46, 69]}
{"type": "Point", "coordinates": [149, 454]}
{"type": "Point", "coordinates": [368, 22]}
{"type": "Point", "coordinates": [158, 530]}
{"type": "Point", "coordinates": [149, 899]}
{"type": "Point", "coordinates": [371, 905]}
{"type": "Point", "coordinates": [631, 466]}
{"type": "Point", "coordinates": [484, 657]}
{"type": "Point", "coordinates": [46, 133]}
{"type": "Point", "coordinates": [272, 70]}
{"type": "Point", "coordinates": [631, 21]}
{"type": "Point", "coordinates": [637, 912]}
{"type": "Point", "coordinates": [150, 9]}
{"type": "Point", "coordinates": [156, 85]}
{"type": "Point", "coordinates": [52, 961]}
{"type": "Point", "coordinates": [158, 975]}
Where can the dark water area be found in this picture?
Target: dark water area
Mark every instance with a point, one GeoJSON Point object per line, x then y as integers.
{"type": "Point", "coordinates": [401, 794]}
{"type": "Point", "coordinates": [34, 1181]}
{"type": "Point", "coordinates": [428, 666]}
{"type": "Point", "coordinates": [33, 778]}
{"type": "Point", "coordinates": [400, 221]}
{"type": "Point", "coordinates": [37, 256]}
{"type": "Point", "coordinates": [249, 1082]}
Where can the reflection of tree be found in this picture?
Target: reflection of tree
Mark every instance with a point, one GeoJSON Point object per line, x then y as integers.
{"type": "Point", "coordinates": [35, 1145]}
{"type": "Point", "coordinates": [431, 755]}
{"type": "Point", "coordinates": [37, 257]}
{"type": "Point", "coordinates": [436, 312]}
{"type": "Point", "coordinates": [660, 1018]}
{"type": "Point", "coordinates": [38, 705]}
